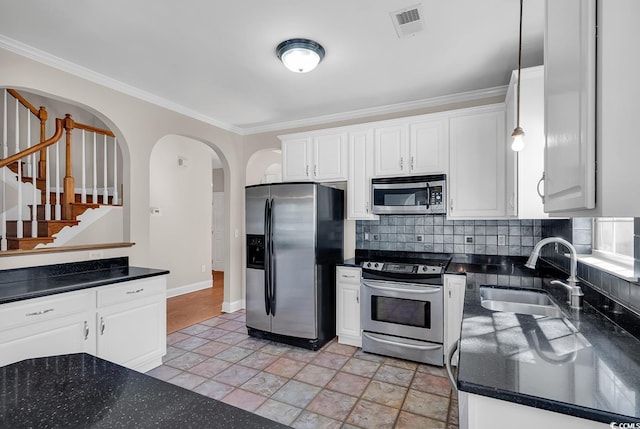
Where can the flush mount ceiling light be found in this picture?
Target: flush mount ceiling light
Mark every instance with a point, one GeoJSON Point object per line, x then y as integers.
{"type": "Point", "coordinates": [300, 55]}
{"type": "Point", "coordinates": [518, 133]}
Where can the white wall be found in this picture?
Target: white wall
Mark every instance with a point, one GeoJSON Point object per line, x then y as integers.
{"type": "Point", "coordinates": [179, 237]}
{"type": "Point", "coordinates": [262, 164]}
{"type": "Point", "coordinates": [138, 126]}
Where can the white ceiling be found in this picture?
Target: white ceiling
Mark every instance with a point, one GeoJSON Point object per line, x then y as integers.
{"type": "Point", "coordinates": [216, 60]}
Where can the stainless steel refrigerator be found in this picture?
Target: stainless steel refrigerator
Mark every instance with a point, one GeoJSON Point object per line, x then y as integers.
{"type": "Point", "coordinates": [294, 241]}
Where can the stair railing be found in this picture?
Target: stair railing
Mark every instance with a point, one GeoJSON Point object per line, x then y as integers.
{"type": "Point", "coordinates": [35, 159]}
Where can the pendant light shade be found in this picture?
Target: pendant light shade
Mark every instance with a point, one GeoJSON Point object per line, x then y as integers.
{"type": "Point", "coordinates": [300, 55]}
{"type": "Point", "coordinates": [518, 133]}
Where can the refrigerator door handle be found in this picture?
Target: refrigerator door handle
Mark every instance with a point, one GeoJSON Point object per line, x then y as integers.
{"type": "Point", "coordinates": [272, 264]}
{"type": "Point", "coordinates": [267, 262]}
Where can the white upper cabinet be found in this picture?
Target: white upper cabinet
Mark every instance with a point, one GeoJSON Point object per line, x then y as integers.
{"type": "Point", "coordinates": [321, 158]}
{"type": "Point", "coordinates": [391, 149]}
{"type": "Point", "coordinates": [360, 172]}
{"type": "Point", "coordinates": [477, 166]}
{"type": "Point", "coordinates": [591, 108]}
{"type": "Point", "coordinates": [418, 146]}
{"type": "Point", "coordinates": [525, 168]}
{"type": "Point", "coordinates": [570, 89]}
{"type": "Point", "coordinates": [428, 146]}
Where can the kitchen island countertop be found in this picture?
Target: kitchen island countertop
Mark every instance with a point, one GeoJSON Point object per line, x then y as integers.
{"type": "Point", "coordinates": [83, 391]}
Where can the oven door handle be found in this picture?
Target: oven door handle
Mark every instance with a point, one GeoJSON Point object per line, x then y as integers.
{"type": "Point", "coordinates": [422, 291]}
{"type": "Point", "coordinates": [393, 343]}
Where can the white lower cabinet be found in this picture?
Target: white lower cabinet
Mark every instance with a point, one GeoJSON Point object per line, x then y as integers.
{"type": "Point", "coordinates": [454, 286]}
{"type": "Point", "coordinates": [483, 412]}
{"type": "Point", "coordinates": [131, 320]}
{"type": "Point", "coordinates": [123, 323]}
{"type": "Point", "coordinates": [47, 326]}
{"type": "Point", "coordinates": [348, 306]}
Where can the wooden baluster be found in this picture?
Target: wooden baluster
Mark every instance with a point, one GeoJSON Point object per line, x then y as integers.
{"type": "Point", "coordinates": [83, 197]}
{"type": "Point", "coordinates": [69, 185]}
{"type": "Point", "coordinates": [19, 230]}
{"type": "Point", "coordinates": [43, 115]}
{"type": "Point", "coordinates": [115, 171]}
{"type": "Point", "coordinates": [105, 191]}
{"type": "Point", "coordinates": [5, 153]}
{"type": "Point", "coordinates": [32, 167]}
{"type": "Point", "coordinates": [94, 195]}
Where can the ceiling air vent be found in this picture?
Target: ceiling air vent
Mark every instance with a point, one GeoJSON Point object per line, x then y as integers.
{"type": "Point", "coordinates": [408, 21]}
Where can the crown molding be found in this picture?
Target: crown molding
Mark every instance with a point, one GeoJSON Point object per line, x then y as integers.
{"type": "Point", "coordinates": [46, 58]}
{"type": "Point", "coordinates": [498, 91]}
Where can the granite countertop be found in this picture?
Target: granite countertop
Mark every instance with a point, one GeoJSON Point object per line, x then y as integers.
{"type": "Point", "coordinates": [33, 282]}
{"type": "Point", "coordinates": [581, 364]}
{"type": "Point", "coordinates": [83, 391]}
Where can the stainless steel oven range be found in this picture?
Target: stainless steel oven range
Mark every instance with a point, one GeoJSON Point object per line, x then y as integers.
{"type": "Point", "coordinates": [401, 309]}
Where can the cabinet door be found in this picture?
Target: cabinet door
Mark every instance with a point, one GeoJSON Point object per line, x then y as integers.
{"type": "Point", "coordinates": [360, 171]}
{"type": "Point", "coordinates": [570, 67]}
{"type": "Point", "coordinates": [428, 147]}
{"type": "Point", "coordinates": [390, 151]}
{"type": "Point", "coordinates": [477, 165]}
{"type": "Point", "coordinates": [133, 333]}
{"type": "Point", "coordinates": [330, 157]}
{"type": "Point", "coordinates": [454, 286]}
{"type": "Point", "coordinates": [73, 333]}
{"type": "Point", "coordinates": [296, 157]}
{"type": "Point", "coordinates": [348, 306]}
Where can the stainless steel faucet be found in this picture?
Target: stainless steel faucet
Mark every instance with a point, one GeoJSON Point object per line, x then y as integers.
{"type": "Point", "coordinates": [575, 292]}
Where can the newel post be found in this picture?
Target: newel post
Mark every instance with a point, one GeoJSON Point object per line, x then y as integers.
{"type": "Point", "coordinates": [42, 164]}
{"type": "Point", "coordinates": [69, 185]}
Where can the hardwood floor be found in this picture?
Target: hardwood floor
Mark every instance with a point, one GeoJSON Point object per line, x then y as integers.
{"type": "Point", "coordinates": [191, 308]}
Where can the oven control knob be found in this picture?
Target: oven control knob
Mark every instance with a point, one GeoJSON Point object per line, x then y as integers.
{"type": "Point", "coordinates": [375, 265]}
{"type": "Point", "coordinates": [368, 264]}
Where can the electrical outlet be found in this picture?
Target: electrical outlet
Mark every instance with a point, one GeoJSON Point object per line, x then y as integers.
{"type": "Point", "coordinates": [502, 240]}
{"type": "Point", "coordinates": [95, 254]}
{"type": "Point", "coordinates": [468, 239]}
{"type": "Point", "coordinates": [203, 268]}
{"type": "Point", "coordinates": [376, 237]}
{"type": "Point", "coordinates": [420, 238]}
{"type": "Point", "coordinates": [366, 236]}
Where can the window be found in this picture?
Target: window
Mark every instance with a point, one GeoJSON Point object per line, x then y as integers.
{"type": "Point", "coordinates": [614, 236]}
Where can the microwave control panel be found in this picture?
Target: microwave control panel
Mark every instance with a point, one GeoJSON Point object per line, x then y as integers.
{"type": "Point", "coordinates": [436, 195]}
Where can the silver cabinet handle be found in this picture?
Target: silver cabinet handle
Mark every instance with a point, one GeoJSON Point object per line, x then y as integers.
{"type": "Point", "coordinates": [358, 297]}
{"type": "Point", "coordinates": [41, 312]}
{"type": "Point", "coordinates": [401, 163]}
{"type": "Point", "coordinates": [451, 205]}
{"type": "Point", "coordinates": [348, 276]}
{"type": "Point", "coordinates": [452, 350]}
{"type": "Point", "coordinates": [131, 292]}
{"type": "Point", "coordinates": [411, 162]}
{"type": "Point", "coordinates": [538, 188]}
{"type": "Point", "coordinates": [393, 343]}
{"type": "Point", "coordinates": [307, 170]}
{"type": "Point", "coordinates": [86, 330]}
{"type": "Point", "coordinates": [102, 326]}
{"type": "Point", "coordinates": [315, 170]}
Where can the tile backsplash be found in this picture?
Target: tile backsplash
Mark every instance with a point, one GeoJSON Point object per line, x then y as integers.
{"type": "Point", "coordinates": [433, 233]}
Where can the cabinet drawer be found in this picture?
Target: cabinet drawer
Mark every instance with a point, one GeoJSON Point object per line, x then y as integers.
{"type": "Point", "coordinates": [130, 291]}
{"type": "Point", "coordinates": [43, 309]}
{"type": "Point", "coordinates": [348, 275]}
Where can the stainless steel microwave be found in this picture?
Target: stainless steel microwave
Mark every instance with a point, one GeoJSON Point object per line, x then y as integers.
{"type": "Point", "coordinates": [409, 195]}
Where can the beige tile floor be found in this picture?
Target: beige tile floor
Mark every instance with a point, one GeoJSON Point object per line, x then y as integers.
{"type": "Point", "coordinates": [337, 387]}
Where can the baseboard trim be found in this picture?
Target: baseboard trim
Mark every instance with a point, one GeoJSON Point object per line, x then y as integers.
{"type": "Point", "coordinates": [181, 290]}
{"type": "Point", "coordinates": [230, 307]}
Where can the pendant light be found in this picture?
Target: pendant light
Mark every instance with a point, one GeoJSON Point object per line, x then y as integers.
{"type": "Point", "coordinates": [518, 133]}
{"type": "Point", "coordinates": [300, 55]}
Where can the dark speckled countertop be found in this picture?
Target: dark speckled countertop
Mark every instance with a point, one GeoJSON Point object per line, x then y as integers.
{"type": "Point", "coordinates": [83, 391]}
{"type": "Point", "coordinates": [581, 364]}
{"type": "Point", "coordinates": [33, 282]}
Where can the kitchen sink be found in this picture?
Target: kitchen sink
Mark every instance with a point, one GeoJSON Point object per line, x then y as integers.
{"type": "Point", "coordinates": [518, 301]}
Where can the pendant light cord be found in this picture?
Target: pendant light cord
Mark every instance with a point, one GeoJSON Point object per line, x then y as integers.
{"type": "Point", "coordinates": [519, 67]}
